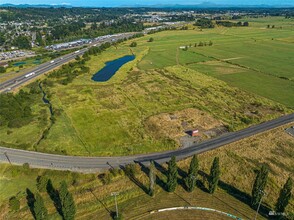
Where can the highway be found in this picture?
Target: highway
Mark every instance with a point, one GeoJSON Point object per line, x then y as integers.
{"type": "Point", "coordinates": [95, 164]}
{"type": "Point", "coordinates": [18, 81]}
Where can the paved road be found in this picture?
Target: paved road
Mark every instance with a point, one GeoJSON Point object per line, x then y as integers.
{"type": "Point", "coordinates": [46, 67]}
{"type": "Point", "coordinates": [94, 164]}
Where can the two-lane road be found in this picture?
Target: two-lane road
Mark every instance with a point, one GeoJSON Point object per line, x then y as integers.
{"type": "Point", "coordinates": [94, 164]}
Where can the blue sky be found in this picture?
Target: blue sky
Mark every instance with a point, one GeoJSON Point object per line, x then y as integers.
{"type": "Point", "coordinates": [110, 3]}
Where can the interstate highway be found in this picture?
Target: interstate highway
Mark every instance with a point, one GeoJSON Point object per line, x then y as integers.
{"type": "Point", "coordinates": [16, 82]}
{"type": "Point", "coordinates": [94, 164]}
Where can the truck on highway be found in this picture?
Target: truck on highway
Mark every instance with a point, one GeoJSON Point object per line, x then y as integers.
{"type": "Point", "coordinates": [77, 51]}
{"type": "Point", "coordinates": [52, 61]}
{"type": "Point", "coordinates": [29, 74]}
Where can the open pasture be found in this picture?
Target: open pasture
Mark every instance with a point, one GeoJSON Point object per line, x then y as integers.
{"type": "Point", "coordinates": [258, 60]}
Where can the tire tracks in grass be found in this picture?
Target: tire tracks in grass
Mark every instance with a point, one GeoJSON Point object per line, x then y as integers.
{"type": "Point", "coordinates": [243, 66]}
{"type": "Point", "coordinates": [177, 57]}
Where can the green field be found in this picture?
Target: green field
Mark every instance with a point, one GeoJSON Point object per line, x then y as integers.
{"type": "Point", "coordinates": [256, 59]}
{"type": "Point", "coordinates": [244, 78]}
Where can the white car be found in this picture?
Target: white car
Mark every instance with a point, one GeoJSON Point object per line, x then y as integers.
{"type": "Point", "coordinates": [52, 61]}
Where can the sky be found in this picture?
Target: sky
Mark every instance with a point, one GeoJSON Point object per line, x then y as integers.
{"type": "Point", "coordinates": [113, 3]}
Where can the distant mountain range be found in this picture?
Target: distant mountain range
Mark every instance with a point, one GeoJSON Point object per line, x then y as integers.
{"type": "Point", "coordinates": [35, 6]}
{"type": "Point", "coordinates": [173, 6]}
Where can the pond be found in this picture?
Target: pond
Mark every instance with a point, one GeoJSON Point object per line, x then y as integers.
{"type": "Point", "coordinates": [19, 63]}
{"type": "Point", "coordinates": [111, 67]}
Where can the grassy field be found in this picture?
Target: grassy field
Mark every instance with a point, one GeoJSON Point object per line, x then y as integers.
{"type": "Point", "coordinates": [233, 82]}
{"type": "Point", "coordinates": [256, 59]}
{"type": "Point", "coordinates": [238, 161]}
{"type": "Point", "coordinates": [114, 118]}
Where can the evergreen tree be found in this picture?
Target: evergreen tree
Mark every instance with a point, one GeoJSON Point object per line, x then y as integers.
{"type": "Point", "coordinates": [151, 178]}
{"type": "Point", "coordinates": [42, 183]}
{"type": "Point", "coordinates": [259, 185]}
{"type": "Point", "coordinates": [214, 175]}
{"type": "Point", "coordinates": [67, 203]}
{"type": "Point", "coordinates": [190, 180]}
{"type": "Point", "coordinates": [172, 175]}
{"type": "Point", "coordinates": [40, 210]}
{"type": "Point", "coordinates": [285, 195]}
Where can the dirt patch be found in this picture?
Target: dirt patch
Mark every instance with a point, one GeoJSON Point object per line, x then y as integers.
{"type": "Point", "coordinates": [228, 70]}
{"type": "Point", "coordinates": [175, 125]}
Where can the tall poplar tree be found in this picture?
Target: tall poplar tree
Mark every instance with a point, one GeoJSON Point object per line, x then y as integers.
{"type": "Point", "coordinates": [259, 186]}
{"type": "Point", "coordinates": [151, 178]}
{"type": "Point", "coordinates": [190, 180]}
{"type": "Point", "coordinates": [172, 175]}
{"type": "Point", "coordinates": [67, 203]}
{"type": "Point", "coordinates": [214, 175]}
{"type": "Point", "coordinates": [40, 210]}
{"type": "Point", "coordinates": [285, 195]}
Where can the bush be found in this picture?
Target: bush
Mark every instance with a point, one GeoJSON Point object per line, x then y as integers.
{"type": "Point", "coordinates": [2, 69]}
{"type": "Point", "coordinates": [26, 166]}
{"type": "Point", "coordinates": [151, 39]}
{"type": "Point", "coordinates": [105, 178]}
{"type": "Point", "coordinates": [133, 44]}
{"type": "Point", "coordinates": [115, 172]}
{"type": "Point", "coordinates": [131, 169]}
{"type": "Point", "coordinates": [14, 204]}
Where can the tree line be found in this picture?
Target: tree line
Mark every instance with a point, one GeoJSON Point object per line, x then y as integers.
{"type": "Point", "coordinates": [258, 189]}
{"type": "Point", "coordinates": [232, 24]}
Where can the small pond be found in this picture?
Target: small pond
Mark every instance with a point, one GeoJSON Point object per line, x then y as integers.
{"type": "Point", "coordinates": [111, 67]}
{"type": "Point", "coordinates": [19, 63]}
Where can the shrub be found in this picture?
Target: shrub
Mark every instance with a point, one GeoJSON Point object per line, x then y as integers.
{"type": "Point", "coordinates": [26, 166]}
{"type": "Point", "coordinates": [14, 204]}
{"type": "Point", "coordinates": [133, 44]}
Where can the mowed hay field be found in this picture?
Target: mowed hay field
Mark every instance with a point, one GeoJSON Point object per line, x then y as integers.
{"type": "Point", "coordinates": [254, 58]}
{"type": "Point", "coordinates": [238, 162]}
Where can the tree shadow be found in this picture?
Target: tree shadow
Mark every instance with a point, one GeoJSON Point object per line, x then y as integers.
{"type": "Point", "coordinates": [201, 183]}
{"type": "Point", "coordinates": [158, 180]}
{"type": "Point", "coordinates": [135, 180]}
{"type": "Point", "coordinates": [54, 196]}
{"type": "Point", "coordinates": [181, 181]}
{"type": "Point", "coordinates": [160, 168]}
{"type": "Point", "coordinates": [144, 168]}
{"type": "Point", "coordinates": [31, 201]}
{"type": "Point", "coordinates": [240, 195]}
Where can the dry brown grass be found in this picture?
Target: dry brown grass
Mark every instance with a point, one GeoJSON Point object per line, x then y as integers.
{"type": "Point", "coordinates": [239, 160]}
{"type": "Point", "coordinates": [173, 125]}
